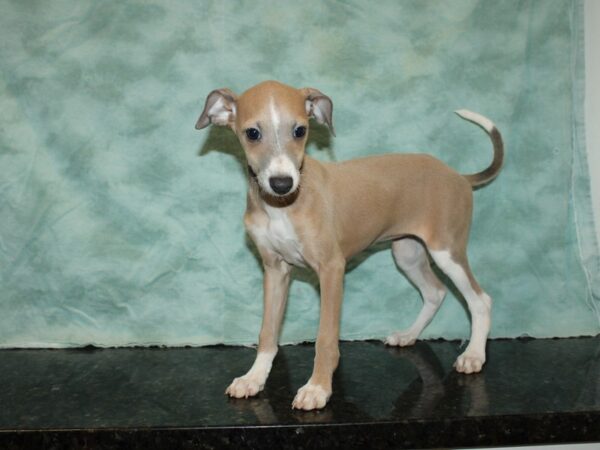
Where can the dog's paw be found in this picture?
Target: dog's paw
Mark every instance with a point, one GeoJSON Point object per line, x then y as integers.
{"type": "Point", "coordinates": [469, 362]}
{"type": "Point", "coordinates": [401, 339]}
{"type": "Point", "coordinates": [311, 396]}
{"type": "Point", "coordinates": [243, 387]}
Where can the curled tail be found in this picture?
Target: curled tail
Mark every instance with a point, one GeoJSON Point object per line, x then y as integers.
{"type": "Point", "coordinates": [487, 175]}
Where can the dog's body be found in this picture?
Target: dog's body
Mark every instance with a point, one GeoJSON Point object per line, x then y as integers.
{"type": "Point", "coordinates": [308, 213]}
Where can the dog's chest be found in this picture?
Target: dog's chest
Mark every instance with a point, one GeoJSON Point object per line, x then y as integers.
{"type": "Point", "coordinates": [278, 235]}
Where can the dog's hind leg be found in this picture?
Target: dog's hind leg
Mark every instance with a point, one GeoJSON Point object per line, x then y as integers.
{"type": "Point", "coordinates": [456, 267]}
{"type": "Point", "coordinates": [411, 257]}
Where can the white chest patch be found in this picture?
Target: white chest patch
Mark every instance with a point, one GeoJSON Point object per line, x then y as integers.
{"type": "Point", "coordinates": [279, 236]}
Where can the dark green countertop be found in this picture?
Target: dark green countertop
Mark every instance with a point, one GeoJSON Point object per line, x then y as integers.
{"type": "Point", "coordinates": [531, 391]}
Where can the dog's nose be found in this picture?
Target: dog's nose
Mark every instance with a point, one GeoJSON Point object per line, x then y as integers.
{"type": "Point", "coordinates": [281, 185]}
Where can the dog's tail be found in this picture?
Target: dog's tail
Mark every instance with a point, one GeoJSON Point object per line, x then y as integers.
{"type": "Point", "coordinates": [484, 177]}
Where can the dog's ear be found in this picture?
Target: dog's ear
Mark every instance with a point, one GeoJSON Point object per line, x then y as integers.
{"type": "Point", "coordinates": [219, 109]}
{"type": "Point", "coordinates": [319, 107]}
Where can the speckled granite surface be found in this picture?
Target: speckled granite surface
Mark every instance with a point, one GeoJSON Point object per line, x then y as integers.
{"type": "Point", "coordinates": [534, 391]}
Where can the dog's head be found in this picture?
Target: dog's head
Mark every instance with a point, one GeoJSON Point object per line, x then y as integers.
{"type": "Point", "coordinates": [271, 122]}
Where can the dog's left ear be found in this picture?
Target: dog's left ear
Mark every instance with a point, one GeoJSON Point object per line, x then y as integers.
{"type": "Point", "coordinates": [219, 109]}
{"type": "Point", "coordinates": [319, 107]}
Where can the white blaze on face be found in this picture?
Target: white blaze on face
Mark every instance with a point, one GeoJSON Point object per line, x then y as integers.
{"type": "Point", "coordinates": [279, 164]}
{"type": "Point", "coordinates": [275, 124]}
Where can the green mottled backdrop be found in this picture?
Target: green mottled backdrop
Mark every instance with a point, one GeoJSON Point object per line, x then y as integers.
{"type": "Point", "coordinates": [120, 224]}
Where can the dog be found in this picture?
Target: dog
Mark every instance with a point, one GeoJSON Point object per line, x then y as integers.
{"type": "Point", "coordinates": [303, 212]}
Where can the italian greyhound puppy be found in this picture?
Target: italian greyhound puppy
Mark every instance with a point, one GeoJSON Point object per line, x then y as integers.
{"type": "Point", "coordinates": [303, 212]}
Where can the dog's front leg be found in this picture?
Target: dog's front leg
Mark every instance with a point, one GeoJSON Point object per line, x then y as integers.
{"type": "Point", "coordinates": [316, 393]}
{"type": "Point", "coordinates": [276, 285]}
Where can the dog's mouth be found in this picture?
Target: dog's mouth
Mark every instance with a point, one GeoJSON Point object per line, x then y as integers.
{"type": "Point", "coordinates": [280, 201]}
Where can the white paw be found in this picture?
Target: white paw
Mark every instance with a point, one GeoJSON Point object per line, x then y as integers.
{"type": "Point", "coordinates": [244, 387]}
{"type": "Point", "coordinates": [401, 339]}
{"type": "Point", "coordinates": [469, 362]}
{"type": "Point", "coordinates": [311, 396]}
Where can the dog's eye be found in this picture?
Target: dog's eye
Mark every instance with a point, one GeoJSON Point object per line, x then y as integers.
{"type": "Point", "coordinates": [253, 134]}
{"type": "Point", "coordinates": [299, 132]}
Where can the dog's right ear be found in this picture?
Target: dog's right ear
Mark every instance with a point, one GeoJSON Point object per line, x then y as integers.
{"type": "Point", "coordinates": [219, 109]}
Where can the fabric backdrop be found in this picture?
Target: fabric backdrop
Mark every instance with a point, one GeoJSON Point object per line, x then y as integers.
{"type": "Point", "coordinates": [120, 224]}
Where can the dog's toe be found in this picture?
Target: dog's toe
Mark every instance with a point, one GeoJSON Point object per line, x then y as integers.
{"type": "Point", "coordinates": [401, 339]}
{"type": "Point", "coordinates": [243, 387]}
{"type": "Point", "coordinates": [311, 396]}
{"type": "Point", "coordinates": [469, 363]}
